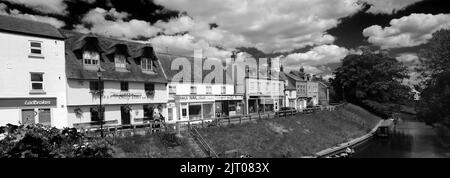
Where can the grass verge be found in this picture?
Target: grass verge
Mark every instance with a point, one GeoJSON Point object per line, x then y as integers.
{"type": "Point", "coordinates": [295, 136]}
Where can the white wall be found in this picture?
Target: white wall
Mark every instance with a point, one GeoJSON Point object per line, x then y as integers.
{"type": "Point", "coordinates": [79, 93]}
{"type": "Point", "coordinates": [185, 88]}
{"type": "Point", "coordinates": [15, 68]}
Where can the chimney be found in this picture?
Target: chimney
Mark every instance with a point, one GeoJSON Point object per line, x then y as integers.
{"type": "Point", "coordinates": [302, 70]}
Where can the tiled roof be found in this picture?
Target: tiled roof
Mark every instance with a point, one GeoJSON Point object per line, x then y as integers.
{"type": "Point", "coordinates": [28, 27]}
{"type": "Point", "coordinates": [74, 65]}
{"type": "Point", "coordinates": [291, 81]}
{"type": "Point", "coordinates": [166, 61]}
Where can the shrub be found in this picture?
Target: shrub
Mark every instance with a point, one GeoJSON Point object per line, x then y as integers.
{"type": "Point", "coordinates": [38, 141]}
{"type": "Point", "coordinates": [170, 139]}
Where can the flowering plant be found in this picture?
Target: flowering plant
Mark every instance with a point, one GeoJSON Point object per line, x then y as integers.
{"type": "Point", "coordinates": [38, 141]}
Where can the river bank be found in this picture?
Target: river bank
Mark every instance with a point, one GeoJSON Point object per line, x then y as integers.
{"type": "Point", "coordinates": [295, 136]}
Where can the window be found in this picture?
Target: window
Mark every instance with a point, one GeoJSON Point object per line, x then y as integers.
{"type": "Point", "coordinates": [95, 86]}
{"type": "Point", "coordinates": [172, 89]}
{"type": "Point", "coordinates": [223, 90]}
{"type": "Point", "coordinates": [95, 115]}
{"type": "Point", "coordinates": [36, 48]}
{"type": "Point", "coordinates": [91, 58]}
{"type": "Point", "coordinates": [120, 61]}
{"type": "Point", "coordinates": [149, 87]}
{"type": "Point", "coordinates": [124, 86]}
{"type": "Point", "coordinates": [170, 112]}
{"type": "Point", "coordinates": [184, 112]}
{"type": "Point", "coordinates": [45, 117]}
{"type": "Point", "coordinates": [208, 90]}
{"type": "Point", "coordinates": [193, 90]}
{"type": "Point", "coordinates": [147, 64]}
{"type": "Point", "coordinates": [37, 81]}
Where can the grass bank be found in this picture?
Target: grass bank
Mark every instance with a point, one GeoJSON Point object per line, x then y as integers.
{"type": "Point", "coordinates": [295, 136]}
{"type": "Point", "coordinates": [159, 145]}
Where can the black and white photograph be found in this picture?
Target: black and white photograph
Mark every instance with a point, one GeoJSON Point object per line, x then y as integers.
{"type": "Point", "coordinates": [226, 79]}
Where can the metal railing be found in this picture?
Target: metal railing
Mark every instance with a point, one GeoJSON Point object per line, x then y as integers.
{"type": "Point", "coordinates": [202, 142]}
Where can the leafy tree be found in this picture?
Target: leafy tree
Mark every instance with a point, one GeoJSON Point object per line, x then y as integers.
{"type": "Point", "coordinates": [434, 106]}
{"type": "Point", "coordinates": [373, 80]}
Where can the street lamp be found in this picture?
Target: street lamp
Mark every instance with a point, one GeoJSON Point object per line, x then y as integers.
{"type": "Point", "coordinates": [100, 108]}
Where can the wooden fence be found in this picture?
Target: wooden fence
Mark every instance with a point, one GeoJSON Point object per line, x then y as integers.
{"type": "Point", "coordinates": [109, 129]}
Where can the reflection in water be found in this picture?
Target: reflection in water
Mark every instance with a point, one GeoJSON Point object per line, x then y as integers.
{"type": "Point", "coordinates": [411, 139]}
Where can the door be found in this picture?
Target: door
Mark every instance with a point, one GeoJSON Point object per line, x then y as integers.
{"type": "Point", "coordinates": [44, 117]}
{"type": "Point", "coordinates": [28, 116]}
{"type": "Point", "coordinates": [125, 115]}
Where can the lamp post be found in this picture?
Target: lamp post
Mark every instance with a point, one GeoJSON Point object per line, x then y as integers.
{"type": "Point", "coordinates": [100, 108]}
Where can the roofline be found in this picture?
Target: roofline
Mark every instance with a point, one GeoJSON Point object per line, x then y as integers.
{"type": "Point", "coordinates": [116, 80]}
{"type": "Point", "coordinates": [33, 34]}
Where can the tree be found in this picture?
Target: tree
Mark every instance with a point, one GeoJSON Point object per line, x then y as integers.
{"type": "Point", "coordinates": [434, 106]}
{"type": "Point", "coordinates": [373, 80]}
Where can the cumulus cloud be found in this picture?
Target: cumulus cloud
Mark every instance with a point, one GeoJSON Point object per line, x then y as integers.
{"type": "Point", "coordinates": [388, 6]}
{"type": "Point", "coordinates": [318, 55]}
{"type": "Point", "coordinates": [176, 25]}
{"type": "Point", "coordinates": [269, 25]}
{"type": "Point", "coordinates": [407, 31]}
{"type": "Point", "coordinates": [186, 44]}
{"type": "Point", "coordinates": [112, 23]}
{"type": "Point", "coordinates": [4, 10]}
{"type": "Point", "coordinates": [47, 6]}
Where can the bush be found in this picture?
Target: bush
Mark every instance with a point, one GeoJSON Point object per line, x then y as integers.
{"type": "Point", "coordinates": [170, 139]}
{"type": "Point", "coordinates": [38, 141]}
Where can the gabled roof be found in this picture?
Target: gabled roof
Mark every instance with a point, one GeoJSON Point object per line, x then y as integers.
{"type": "Point", "coordinates": [75, 69]}
{"type": "Point", "coordinates": [167, 60]}
{"type": "Point", "coordinates": [28, 27]}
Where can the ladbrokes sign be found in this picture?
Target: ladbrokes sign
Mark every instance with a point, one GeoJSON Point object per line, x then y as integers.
{"type": "Point", "coordinates": [27, 102]}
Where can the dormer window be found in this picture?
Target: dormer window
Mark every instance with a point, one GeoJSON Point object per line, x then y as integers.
{"type": "Point", "coordinates": [91, 58]}
{"type": "Point", "coordinates": [147, 64]}
{"type": "Point", "coordinates": [120, 61]}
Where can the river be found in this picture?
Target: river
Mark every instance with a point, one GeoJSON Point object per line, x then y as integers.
{"type": "Point", "coordinates": [411, 139]}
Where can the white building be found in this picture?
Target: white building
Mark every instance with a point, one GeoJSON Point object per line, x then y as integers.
{"type": "Point", "coordinates": [132, 80]}
{"type": "Point", "coordinates": [198, 100]}
{"type": "Point", "coordinates": [32, 77]}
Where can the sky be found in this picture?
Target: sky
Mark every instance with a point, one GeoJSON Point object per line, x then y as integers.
{"type": "Point", "coordinates": [308, 33]}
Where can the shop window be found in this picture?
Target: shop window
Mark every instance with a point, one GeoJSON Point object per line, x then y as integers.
{"type": "Point", "coordinates": [95, 86]}
{"type": "Point", "coordinates": [195, 112]}
{"type": "Point", "coordinates": [124, 86]}
{"type": "Point", "coordinates": [208, 90]}
{"type": "Point", "coordinates": [36, 48]}
{"type": "Point", "coordinates": [193, 90]}
{"type": "Point", "coordinates": [120, 61]}
{"type": "Point", "coordinates": [208, 111]}
{"type": "Point", "coordinates": [91, 58]}
{"type": "Point", "coordinates": [147, 64]}
{"type": "Point", "coordinates": [44, 117]}
{"type": "Point", "coordinates": [37, 81]}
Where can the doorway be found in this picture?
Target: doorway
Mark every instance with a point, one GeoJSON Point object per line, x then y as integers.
{"type": "Point", "coordinates": [125, 115]}
{"type": "Point", "coordinates": [28, 116]}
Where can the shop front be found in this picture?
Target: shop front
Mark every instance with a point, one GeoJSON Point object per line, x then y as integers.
{"type": "Point", "coordinates": [27, 111]}
{"type": "Point", "coordinates": [191, 107]}
{"type": "Point", "coordinates": [264, 104]}
{"type": "Point", "coordinates": [229, 105]}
